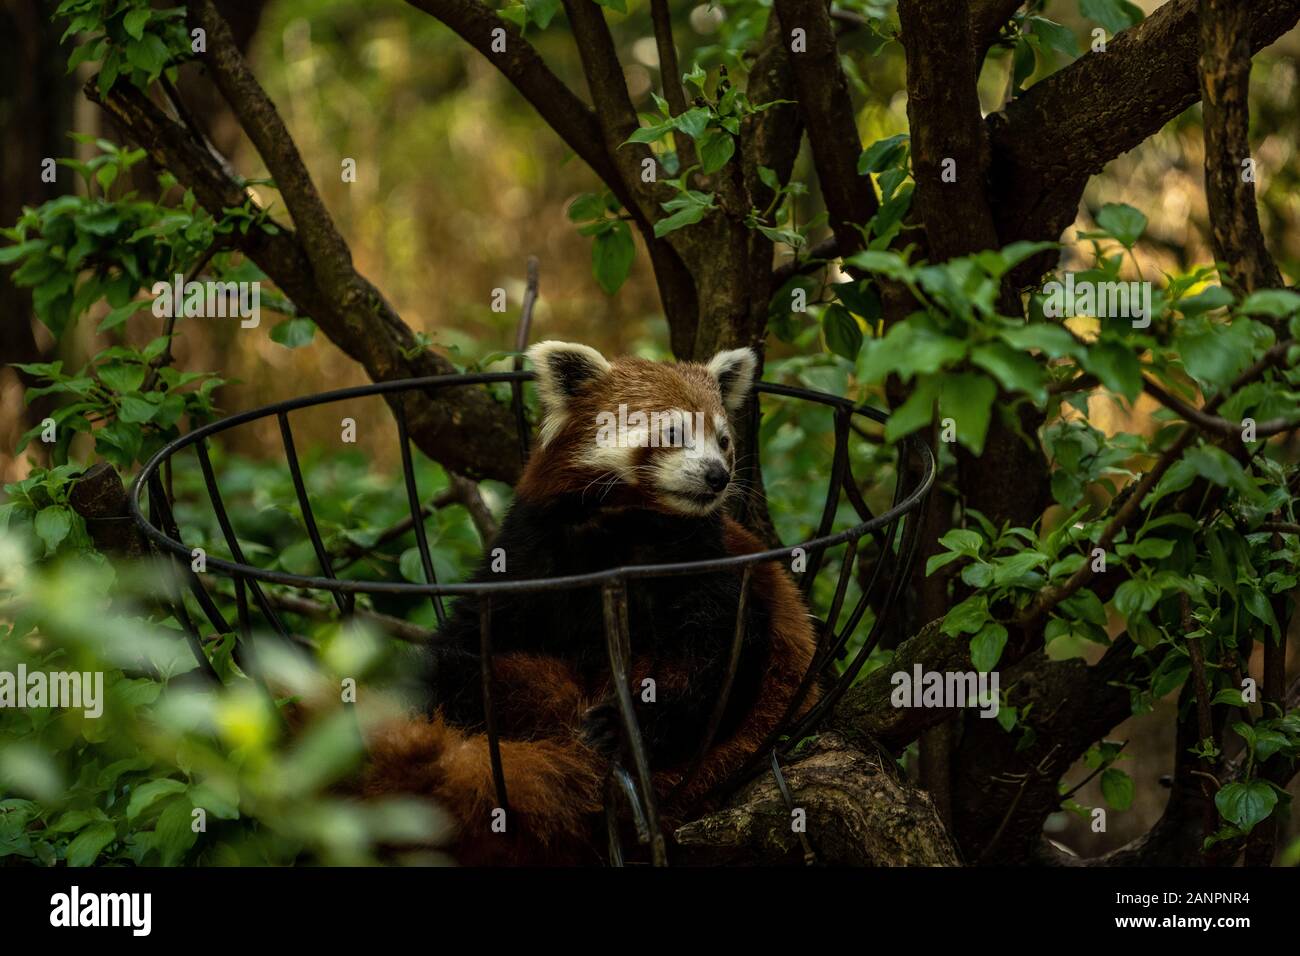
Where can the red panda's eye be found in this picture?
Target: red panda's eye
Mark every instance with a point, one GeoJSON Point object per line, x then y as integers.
{"type": "Point", "coordinates": [724, 442]}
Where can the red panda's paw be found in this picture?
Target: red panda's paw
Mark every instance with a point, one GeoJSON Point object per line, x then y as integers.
{"type": "Point", "coordinates": [602, 728]}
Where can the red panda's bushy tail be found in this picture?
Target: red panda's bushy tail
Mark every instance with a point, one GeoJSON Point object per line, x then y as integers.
{"type": "Point", "coordinates": [553, 787]}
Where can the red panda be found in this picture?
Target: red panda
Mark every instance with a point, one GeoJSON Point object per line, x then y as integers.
{"type": "Point", "coordinates": [591, 498]}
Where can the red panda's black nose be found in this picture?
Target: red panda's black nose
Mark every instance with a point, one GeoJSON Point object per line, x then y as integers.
{"type": "Point", "coordinates": [716, 477]}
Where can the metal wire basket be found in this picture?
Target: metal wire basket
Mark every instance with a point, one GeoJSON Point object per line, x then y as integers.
{"type": "Point", "coordinates": [895, 532]}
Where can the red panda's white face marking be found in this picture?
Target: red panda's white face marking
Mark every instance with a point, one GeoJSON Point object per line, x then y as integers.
{"type": "Point", "coordinates": [635, 433]}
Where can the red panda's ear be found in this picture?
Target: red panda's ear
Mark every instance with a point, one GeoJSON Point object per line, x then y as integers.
{"type": "Point", "coordinates": [564, 369]}
{"type": "Point", "coordinates": [734, 372]}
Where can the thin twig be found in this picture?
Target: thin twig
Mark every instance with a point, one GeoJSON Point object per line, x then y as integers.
{"type": "Point", "coordinates": [1280, 527]}
{"type": "Point", "coordinates": [525, 326]}
{"type": "Point", "coordinates": [670, 76]}
{"type": "Point", "coordinates": [394, 626]}
{"type": "Point", "coordinates": [1098, 769]}
{"type": "Point", "coordinates": [461, 491]}
{"type": "Point", "coordinates": [169, 328]}
{"type": "Point", "coordinates": [1213, 423]}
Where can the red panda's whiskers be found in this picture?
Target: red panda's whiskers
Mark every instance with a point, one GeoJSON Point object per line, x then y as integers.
{"type": "Point", "coordinates": [608, 476]}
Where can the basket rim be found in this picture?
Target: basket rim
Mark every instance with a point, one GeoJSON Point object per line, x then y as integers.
{"type": "Point", "coordinates": [609, 577]}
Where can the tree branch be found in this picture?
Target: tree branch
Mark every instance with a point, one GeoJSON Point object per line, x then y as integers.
{"type": "Point", "coordinates": [326, 250]}
{"type": "Point", "coordinates": [1225, 89]}
{"type": "Point", "coordinates": [1213, 423]}
{"type": "Point", "coordinates": [670, 75]}
{"type": "Point", "coordinates": [828, 115]}
{"type": "Point", "coordinates": [947, 129]}
{"type": "Point", "coordinates": [615, 113]}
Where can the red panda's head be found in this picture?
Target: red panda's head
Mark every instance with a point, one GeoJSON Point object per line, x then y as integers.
{"type": "Point", "coordinates": [636, 433]}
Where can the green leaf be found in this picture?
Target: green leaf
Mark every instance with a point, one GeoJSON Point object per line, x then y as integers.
{"type": "Point", "coordinates": [860, 298]}
{"type": "Point", "coordinates": [999, 263]}
{"type": "Point", "coordinates": [1136, 596]}
{"type": "Point", "coordinates": [687, 209]}
{"type": "Point", "coordinates": [843, 334]}
{"type": "Point", "coordinates": [937, 561]}
{"type": "Point", "coordinates": [147, 794]}
{"type": "Point", "coordinates": [1018, 568]}
{"type": "Point", "coordinates": [293, 333]}
{"type": "Point", "coordinates": [122, 377]}
{"type": "Point", "coordinates": [1052, 340]}
{"type": "Point", "coordinates": [651, 134]}
{"type": "Point", "coordinates": [1269, 742]}
{"type": "Point", "coordinates": [1056, 36]}
{"type": "Point", "coordinates": [967, 398]}
{"type": "Point", "coordinates": [977, 575]}
{"type": "Point", "coordinates": [612, 253]}
{"type": "Point", "coordinates": [52, 525]}
{"type": "Point", "coordinates": [220, 801]}
{"type": "Point", "coordinates": [1014, 370]}
{"type": "Point", "coordinates": [1215, 297]}
{"type": "Point", "coordinates": [882, 154]}
{"type": "Point", "coordinates": [916, 412]}
{"type": "Point", "coordinates": [515, 13]}
{"type": "Point", "coordinates": [148, 54]}
{"type": "Point", "coordinates": [1278, 303]}
{"type": "Point", "coordinates": [1246, 804]}
{"type": "Point", "coordinates": [14, 253]}
{"type": "Point", "coordinates": [586, 207]}
{"type": "Point", "coordinates": [75, 820]}
{"type": "Point", "coordinates": [174, 833]}
{"type": "Point", "coordinates": [1123, 222]}
{"type": "Point", "coordinates": [889, 264]}
{"type": "Point", "coordinates": [715, 148]}
{"type": "Point", "coordinates": [910, 348]}
{"type": "Point", "coordinates": [968, 617]}
{"type": "Point", "coordinates": [1258, 605]}
{"type": "Point", "coordinates": [121, 314]}
{"type": "Point", "coordinates": [109, 72]}
{"type": "Point", "coordinates": [89, 843]}
{"type": "Point", "coordinates": [1229, 695]}
{"type": "Point", "coordinates": [964, 541]}
{"type": "Point", "coordinates": [1215, 354]}
{"type": "Point", "coordinates": [134, 23]}
{"type": "Point", "coordinates": [1023, 61]}
{"type": "Point", "coordinates": [986, 647]}
{"type": "Point", "coordinates": [137, 409]}
{"type": "Point", "coordinates": [1117, 367]}
{"type": "Point", "coordinates": [542, 12]}
{"type": "Point", "coordinates": [1150, 548]}
{"type": "Point", "coordinates": [1086, 606]}
{"type": "Point", "coordinates": [1217, 466]}
{"type": "Point", "coordinates": [1114, 15]}
{"type": "Point", "coordinates": [693, 122]}
{"type": "Point", "coordinates": [1117, 788]}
